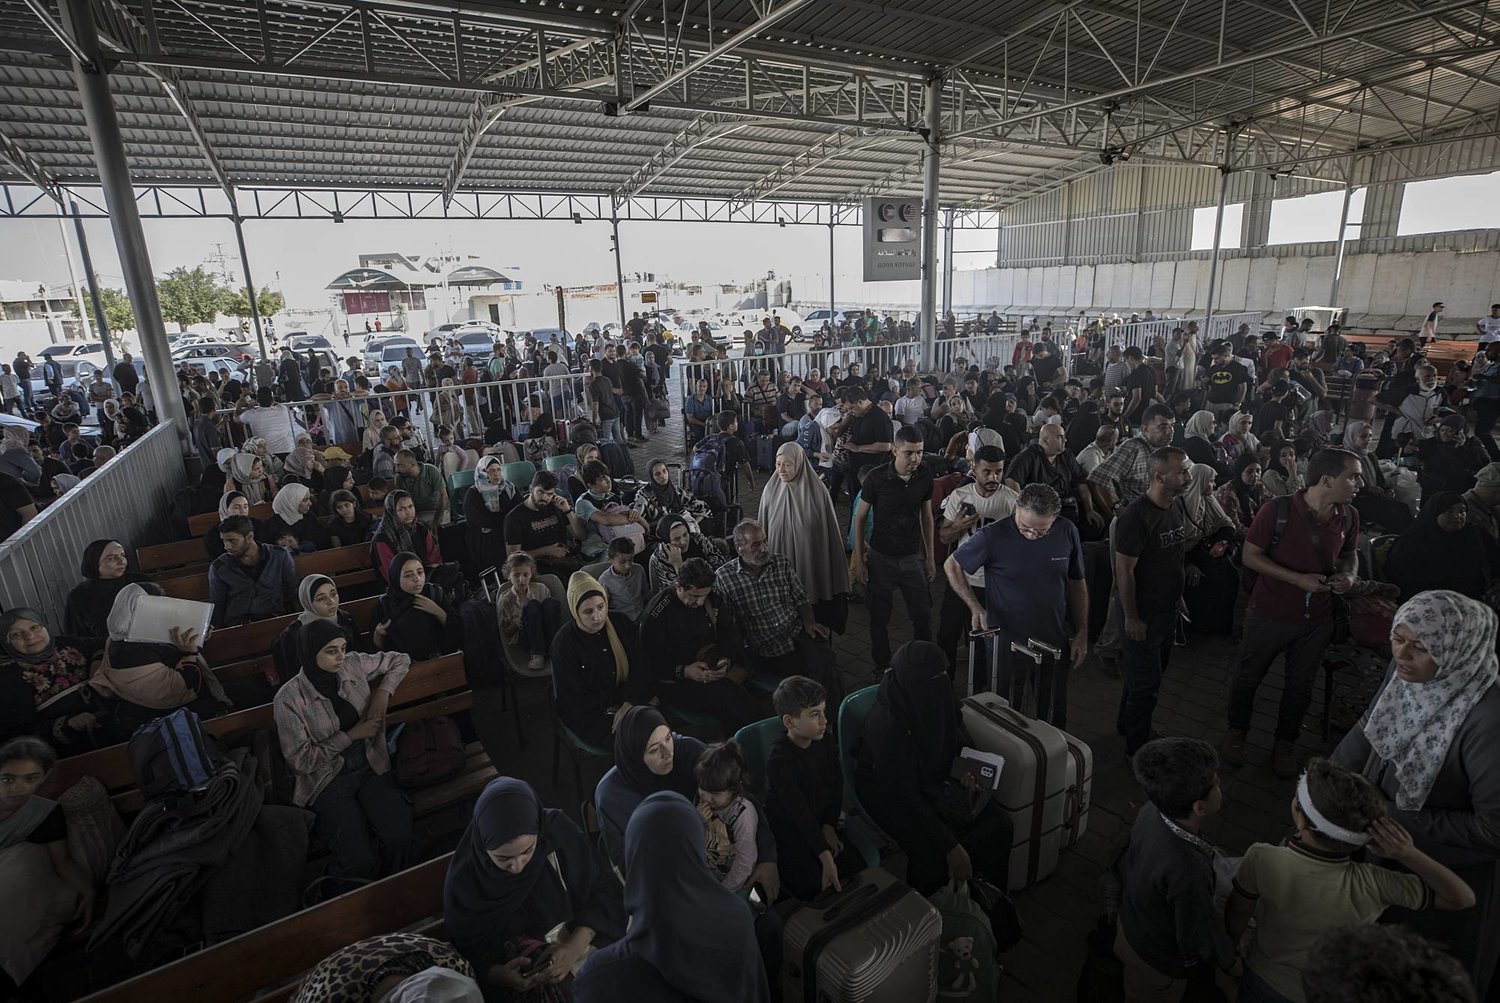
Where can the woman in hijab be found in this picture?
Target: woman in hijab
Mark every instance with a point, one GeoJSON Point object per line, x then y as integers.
{"type": "Point", "coordinates": [15, 456]}
{"type": "Point", "coordinates": [319, 597]}
{"type": "Point", "coordinates": [520, 871]}
{"type": "Point", "coordinates": [447, 409]}
{"type": "Point", "coordinates": [148, 678]}
{"type": "Point", "coordinates": [1199, 444]}
{"type": "Point", "coordinates": [596, 668]}
{"type": "Point", "coordinates": [371, 438]}
{"type": "Point", "coordinates": [292, 524]}
{"type": "Point", "coordinates": [230, 503]}
{"type": "Point", "coordinates": [486, 505]}
{"type": "Point", "coordinates": [1442, 551]}
{"type": "Point", "coordinates": [1239, 439]}
{"type": "Point", "coordinates": [336, 477]}
{"type": "Point", "coordinates": [257, 446]}
{"type": "Point", "coordinates": [350, 523]}
{"type": "Point", "coordinates": [414, 615]}
{"type": "Point", "coordinates": [678, 542]}
{"type": "Point", "coordinates": [391, 968]}
{"type": "Point", "coordinates": [1428, 743]}
{"type": "Point", "coordinates": [659, 497]}
{"type": "Point", "coordinates": [250, 478]}
{"type": "Point", "coordinates": [1282, 476]}
{"type": "Point", "coordinates": [800, 522]}
{"type": "Point", "coordinates": [1376, 501]}
{"type": "Point", "coordinates": [105, 572]}
{"type": "Point", "coordinates": [905, 760]}
{"type": "Point", "coordinates": [305, 463]}
{"type": "Point", "coordinates": [400, 531]}
{"type": "Point", "coordinates": [689, 938]}
{"type": "Point", "coordinates": [1243, 494]}
{"type": "Point", "coordinates": [1213, 583]}
{"type": "Point", "coordinates": [44, 688]}
{"type": "Point", "coordinates": [449, 457]}
{"type": "Point", "coordinates": [330, 721]}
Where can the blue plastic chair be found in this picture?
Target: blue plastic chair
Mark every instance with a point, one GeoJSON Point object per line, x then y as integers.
{"type": "Point", "coordinates": [459, 483]}
{"type": "Point", "coordinates": [755, 740]}
{"type": "Point", "coordinates": [860, 827]}
{"type": "Point", "coordinates": [519, 473]}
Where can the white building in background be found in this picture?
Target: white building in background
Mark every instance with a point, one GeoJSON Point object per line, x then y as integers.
{"type": "Point", "coordinates": [415, 292]}
{"type": "Point", "coordinates": [34, 315]}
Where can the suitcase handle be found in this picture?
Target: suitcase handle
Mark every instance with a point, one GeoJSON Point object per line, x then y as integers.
{"type": "Point", "coordinates": [832, 913]}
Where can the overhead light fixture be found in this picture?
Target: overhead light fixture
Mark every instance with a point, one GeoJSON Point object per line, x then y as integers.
{"type": "Point", "coordinates": [1115, 154]}
{"type": "Point", "coordinates": [338, 217]}
{"type": "Point", "coordinates": [578, 219]}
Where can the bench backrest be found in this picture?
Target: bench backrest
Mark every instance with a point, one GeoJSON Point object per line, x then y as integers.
{"type": "Point", "coordinates": [240, 968]}
{"type": "Point", "coordinates": [347, 566]}
{"type": "Point", "coordinates": [170, 555]}
{"type": "Point", "coordinates": [205, 521]}
{"type": "Point", "coordinates": [230, 644]}
{"type": "Point", "coordinates": [111, 765]}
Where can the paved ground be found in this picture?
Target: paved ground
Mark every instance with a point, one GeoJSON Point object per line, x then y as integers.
{"type": "Point", "coordinates": [1059, 911]}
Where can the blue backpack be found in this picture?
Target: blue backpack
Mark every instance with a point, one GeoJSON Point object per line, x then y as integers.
{"type": "Point", "coordinates": [172, 757]}
{"type": "Point", "coordinates": [705, 470]}
{"type": "Point", "coordinates": [810, 438]}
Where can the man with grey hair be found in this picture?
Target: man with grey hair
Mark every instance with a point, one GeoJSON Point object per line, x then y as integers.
{"type": "Point", "coordinates": [1033, 590]}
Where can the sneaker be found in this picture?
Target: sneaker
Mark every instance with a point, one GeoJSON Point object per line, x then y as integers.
{"type": "Point", "coordinates": [1232, 750]}
{"type": "Point", "coordinates": [536, 663]}
{"type": "Point", "coordinates": [1284, 760]}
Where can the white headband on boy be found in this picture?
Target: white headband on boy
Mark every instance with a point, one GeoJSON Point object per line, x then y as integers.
{"type": "Point", "coordinates": [1327, 828]}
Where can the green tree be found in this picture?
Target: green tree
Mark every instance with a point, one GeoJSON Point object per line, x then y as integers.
{"type": "Point", "coordinates": [236, 302]}
{"type": "Point", "coordinates": [189, 297]}
{"type": "Point", "coordinates": [118, 312]}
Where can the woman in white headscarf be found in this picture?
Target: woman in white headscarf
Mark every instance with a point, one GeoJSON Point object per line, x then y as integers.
{"type": "Point", "coordinates": [486, 505]}
{"type": "Point", "coordinates": [1199, 443]}
{"type": "Point", "coordinates": [799, 520]}
{"type": "Point", "coordinates": [257, 446]}
{"type": "Point", "coordinates": [1239, 439]}
{"type": "Point", "coordinates": [148, 678]}
{"type": "Point", "coordinates": [1207, 543]}
{"type": "Point", "coordinates": [1428, 743]}
{"type": "Point", "coordinates": [292, 524]}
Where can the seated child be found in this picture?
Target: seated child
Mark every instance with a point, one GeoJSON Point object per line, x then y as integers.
{"type": "Point", "coordinates": [729, 819]}
{"type": "Point", "coordinates": [1308, 885]}
{"type": "Point", "coordinates": [1167, 911]}
{"type": "Point", "coordinates": [529, 614]}
{"type": "Point", "coordinates": [625, 581]}
{"type": "Point", "coordinates": [378, 487]}
{"type": "Point", "coordinates": [805, 793]}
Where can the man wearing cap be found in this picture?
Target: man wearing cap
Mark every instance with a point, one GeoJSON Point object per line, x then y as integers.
{"type": "Point", "coordinates": [336, 454]}
{"type": "Point", "coordinates": [1483, 502]}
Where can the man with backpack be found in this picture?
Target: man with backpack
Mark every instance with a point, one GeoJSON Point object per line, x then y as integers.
{"type": "Point", "coordinates": [1303, 547]}
{"type": "Point", "coordinates": [714, 462]}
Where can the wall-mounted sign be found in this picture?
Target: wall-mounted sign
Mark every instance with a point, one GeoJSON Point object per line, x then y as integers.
{"type": "Point", "coordinates": [893, 239]}
{"type": "Point", "coordinates": [648, 297]}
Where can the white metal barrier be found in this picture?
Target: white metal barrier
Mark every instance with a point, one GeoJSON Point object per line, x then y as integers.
{"type": "Point", "coordinates": [128, 499]}
{"type": "Point", "coordinates": [741, 371]}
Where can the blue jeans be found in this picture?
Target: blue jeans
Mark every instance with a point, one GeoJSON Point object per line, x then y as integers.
{"type": "Point", "coordinates": [1142, 664]}
{"type": "Point", "coordinates": [609, 430]}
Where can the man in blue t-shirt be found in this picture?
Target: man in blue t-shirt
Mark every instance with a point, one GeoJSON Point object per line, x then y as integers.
{"type": "Point", "coordinates": [1033, 588]}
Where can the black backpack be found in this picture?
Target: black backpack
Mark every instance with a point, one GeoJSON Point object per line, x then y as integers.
{"type": "Point", "coordinates": [171, 756]}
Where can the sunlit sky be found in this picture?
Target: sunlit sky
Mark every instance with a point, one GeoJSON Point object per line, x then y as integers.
{"type": "Point", "coordinates": [300, 257]}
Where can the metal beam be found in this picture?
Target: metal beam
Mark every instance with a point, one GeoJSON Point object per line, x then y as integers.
{"type": "Point", "coordinates": [739, 38]}
{"type": "Point", "coordinates": [29, 168]}
{"type": "Point", "coordinates": [932, 102]}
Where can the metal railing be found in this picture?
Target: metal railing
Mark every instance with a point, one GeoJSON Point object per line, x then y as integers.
{"type": "Point", "coordinates": [740, 372]}
{"type": "Point", "coordinates": [1143, 334]}
{"type": "Point", "coordinates": [129, 499]}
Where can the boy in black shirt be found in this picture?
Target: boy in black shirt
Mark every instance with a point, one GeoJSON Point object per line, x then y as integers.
{"type": "Point", "coordinates": [1273, 419]}
{"type": "Point", "coordinates": [805, 792]}
{"type": "Point", "coordinates": [1148, 545]}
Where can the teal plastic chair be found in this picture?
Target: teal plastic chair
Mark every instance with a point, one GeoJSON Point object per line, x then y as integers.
{"type": "Point", "coordinates": [459, 483]}
{"type": "Point", "coordinates": [519, 474]}
{"type": "Point", "coordinates": [755, 741]}
{"type": "Point", "coordinates": [860, 827]}
{"type": "Point", "coordinates": [556, 463]}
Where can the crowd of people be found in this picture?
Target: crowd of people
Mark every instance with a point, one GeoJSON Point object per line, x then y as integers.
{"type": "Point", "coordinates": [1101, 503]}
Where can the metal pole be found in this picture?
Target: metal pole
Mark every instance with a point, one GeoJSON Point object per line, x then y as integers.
{"type": "Point", "coordinates": [1338, 254]}
{"type": "Point", "coordinates": [1213, 266]}
{"type": "Point", "coordinates": [614, 225]}
{"type": "Point", "coordinates": [932, 94]}
{"type": "Point", "coordinates": [101, 324]}
{"type": "Point", "coordinates": [83, 316]}
{"type": "Point", "coordinates": [832, 299]}
{"type": "Point", "coordinates": [239, 236]}
{"type": "Point", "coordinates": [947, 262]}
{"type": "Point", "coordinates": [125, 220]}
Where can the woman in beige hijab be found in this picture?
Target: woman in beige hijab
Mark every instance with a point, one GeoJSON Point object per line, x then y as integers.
{"type": "Point", "coordinates": [799, 520]}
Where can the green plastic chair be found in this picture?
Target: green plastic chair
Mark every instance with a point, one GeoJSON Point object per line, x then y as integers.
{"type": "Point", "coordinates": [519, 474]}
{"type": "Point", "coordinates": [861, 828]}
{"type": "Point", "coordinates": [755, 740]}
{"type": "Point", "coordinates": [459, 483]}
{"type": "Point", "coordinates": [556, 463]}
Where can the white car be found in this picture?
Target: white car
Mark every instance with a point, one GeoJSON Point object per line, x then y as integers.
{"type": "Point", "coordinates": [442, 331]}
{"type": "Point", "coordinates": [375, 353]}
{"type": "Point", "coordinates": [208, 356]}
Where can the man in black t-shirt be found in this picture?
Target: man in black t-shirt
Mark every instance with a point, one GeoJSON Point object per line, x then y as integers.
{"type": "Point", "coordinates": [603, 404]}
{"type": "Point", "coordinates": [870, 432]}
{"type": "Point", "coordinates": [1148, 548]}
{"type": "Point", "coordinates": [1273, 419]}
{"type": "Point", "coordinates": [17, 507]}
{"type": "Point", "coordinates": [1227, 382]}
{"type": "Point", "coordinates": [1140, 385]}
{"type": "Point", "coordinates": [899, 553]}
{"type": "Point", "coordinates": [545, 526]}
{"type": "Point", "coordinates": [633, 385]}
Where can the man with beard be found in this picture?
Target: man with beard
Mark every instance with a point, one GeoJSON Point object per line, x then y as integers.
{"type": "Point", "coordinates": [973, 505]}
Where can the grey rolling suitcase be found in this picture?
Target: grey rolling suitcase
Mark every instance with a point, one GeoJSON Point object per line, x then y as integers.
{"type": "Point", "coordinates": [874, 942]}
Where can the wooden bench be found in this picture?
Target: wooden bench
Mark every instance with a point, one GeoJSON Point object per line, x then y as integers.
{"type": "Point", "coordinates": [347, 566]}
{"type": "Point", "coordinates": [166, 556]}
{"type": "Point", "coordinates": [230, 644]}
{"type": "Point", "coordinates": [433, 687]}
{"type": "Point", "coordinates": [267, 964]}
{"type": "Point", "coordinates": [205, 521]}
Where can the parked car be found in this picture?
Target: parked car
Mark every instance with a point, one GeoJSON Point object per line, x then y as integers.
{"type": "Point", "coordinates": [476, 341]}
{"type": "Point", "coordinates": [815, 319]}
{"type": "Point", "coordinates": [442, 331]}
{"type": "Point", "coordinates": [552, 336]}
{"type": "Point", "coordinates": [381, 354]}
{"type": "Point", "coordinates": [301, 341]}
{"type": "Point", "coordinates": [73, 348]}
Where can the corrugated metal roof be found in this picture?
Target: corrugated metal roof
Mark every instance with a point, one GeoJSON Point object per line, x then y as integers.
{"type": "Point", "coordinates": [410, 94]}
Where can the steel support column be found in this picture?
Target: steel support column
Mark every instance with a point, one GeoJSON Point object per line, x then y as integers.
{"type": "Point", "coordinates": [1338, 254]}
{"type": "Point", "coordinates": [832, 298]}
{"type": "Point", "coordinates": [947, 262]}
{"type": "Point", "coordinates": [1213, 263]}
{"type": "Point", "coordinates": [130, 241]}
{"type": "Point", "coordinates": [932, 103]}
{"type": "Point", "coordinates": [614, 227]}
{"type": "Point", "coordinates": [101, 323]}
{"type": "Point", "coordinates": [239, 238]}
